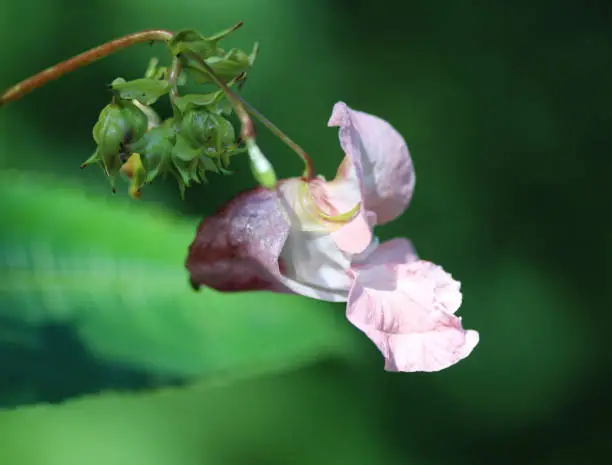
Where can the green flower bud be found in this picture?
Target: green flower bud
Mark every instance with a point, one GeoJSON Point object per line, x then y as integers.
{"type": "Point", "coordinates": [261, 167]}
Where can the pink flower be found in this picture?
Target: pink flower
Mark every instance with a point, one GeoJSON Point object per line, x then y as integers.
{"type": "Point", "coordinates": [315, 238]}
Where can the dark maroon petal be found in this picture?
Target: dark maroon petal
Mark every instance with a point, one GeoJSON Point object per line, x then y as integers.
{"type": "Point", "coordinates": [237, 249]}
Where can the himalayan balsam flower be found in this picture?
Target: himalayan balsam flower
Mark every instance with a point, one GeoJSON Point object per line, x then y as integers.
{"type": "Point", "coordinates": [316, 239]}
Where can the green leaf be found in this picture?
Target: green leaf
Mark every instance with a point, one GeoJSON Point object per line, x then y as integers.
{"type": "Point", "coordinates": [187, 101]}
{"type": "Point", "coordinates": [114, 271]}
{"type": "Point", "coordinates": [145, 90]}
{"type": "Point", "coordinates": [202, 424]}
{"type": "Point", "coordinates": [227, 67]}
{"type": "Point", "coordinates": [212, 101]}
{"type": "Point", "coordinates": [192, 41]}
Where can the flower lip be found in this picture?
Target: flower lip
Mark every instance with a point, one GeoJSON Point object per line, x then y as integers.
{"type": "Point", "coordinates": [311, 205]}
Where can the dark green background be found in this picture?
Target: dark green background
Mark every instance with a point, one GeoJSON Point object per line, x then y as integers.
{"type": "Point", "coordinates": [506, 107]}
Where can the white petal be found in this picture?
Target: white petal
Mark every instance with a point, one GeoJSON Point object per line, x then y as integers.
{"type": "Point", "coordinates": [314, 260]}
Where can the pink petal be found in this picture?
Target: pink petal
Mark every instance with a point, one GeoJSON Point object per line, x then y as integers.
{"type": "Point", "coordinates": [237, 249]}
{"type": "Point", "coordinates": [395, 251]}
{"type": "Point", "coordinates": [380, 161]}
{"type": "Point", "coordinates": [407, 311]}
{"type": "Point", "coordinates": [340, 196]}
{"type": "Point", "coordinates": [355, 236]}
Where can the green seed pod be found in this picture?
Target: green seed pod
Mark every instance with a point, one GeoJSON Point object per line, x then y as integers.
{"type": "Point", "coordinates": [156, 148]}
{"type": "Point", "coordinates": [203, 129]}
{"type": "Point", "coordinates": [119, 123]}
{"type": "Point", "coordinates": [197, 127]}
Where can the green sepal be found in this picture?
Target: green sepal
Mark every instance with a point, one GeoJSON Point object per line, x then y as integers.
{"type": "Point", "coordinates": [208, 164]}
{"type": "Point", "coordinates": [224, 159]}
{"type": "Point", "coordinates": [185, 173]}
{"type": "Point", "coordinates": [184, 151]}
{"type": "Point", "coordinates": [146, 90]}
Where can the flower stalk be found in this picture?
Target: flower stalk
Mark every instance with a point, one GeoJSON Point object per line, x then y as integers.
{"type": "Point", "coordinates": [81, 60]}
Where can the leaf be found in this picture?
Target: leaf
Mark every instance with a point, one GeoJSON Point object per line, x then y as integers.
{"type": "Point", "coordinates": [227, 67]}
{"type": "Point", "coordinates": [192, 41]}
{"type": "Point", "coordinates": [114, 272]}
{"type": "Point", "coordinates": [212, 101]}
{"type": "Point", "coordinates": [203, 423]}
{"type": "Point", "coordinates": [197, 100]}
{"type": "Point", "coordinates": [145, 90]}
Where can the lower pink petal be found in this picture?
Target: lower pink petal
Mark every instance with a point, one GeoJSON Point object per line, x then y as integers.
{"type": "Point", "coordinates": [354, 236]}
{"type": "Point", "coordinates": [427, 352]}
{"type": "Point", "coordinates": [407, 311]}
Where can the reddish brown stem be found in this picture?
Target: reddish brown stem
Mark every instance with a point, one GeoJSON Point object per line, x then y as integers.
{"type": "Point", "coordinates": [83, 59]}
{"type": "Point", "coordinates": [309, 172]}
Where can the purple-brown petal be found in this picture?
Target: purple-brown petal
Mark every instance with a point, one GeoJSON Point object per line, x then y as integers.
{"type": "Point", "coordinates": [238, 248]}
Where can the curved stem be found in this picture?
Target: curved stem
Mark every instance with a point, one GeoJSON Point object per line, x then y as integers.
{"type": "Point", "coordinates": [173, 75]}
{"type": "Point", "coordinates": [243, 108]}
{"type": "Point", "coordinates": [309, 170]}
{"type": "Point", "coordinates": [82, 59]}
{"type": "Point", "coordinates": [247, 130]}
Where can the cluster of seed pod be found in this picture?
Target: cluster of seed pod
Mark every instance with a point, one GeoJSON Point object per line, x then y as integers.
{"type": "Point", "coordinates": [134, 141]}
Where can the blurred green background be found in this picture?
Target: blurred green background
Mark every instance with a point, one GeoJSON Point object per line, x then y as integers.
{"type": "Point", "coordinates": [108, 357]}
